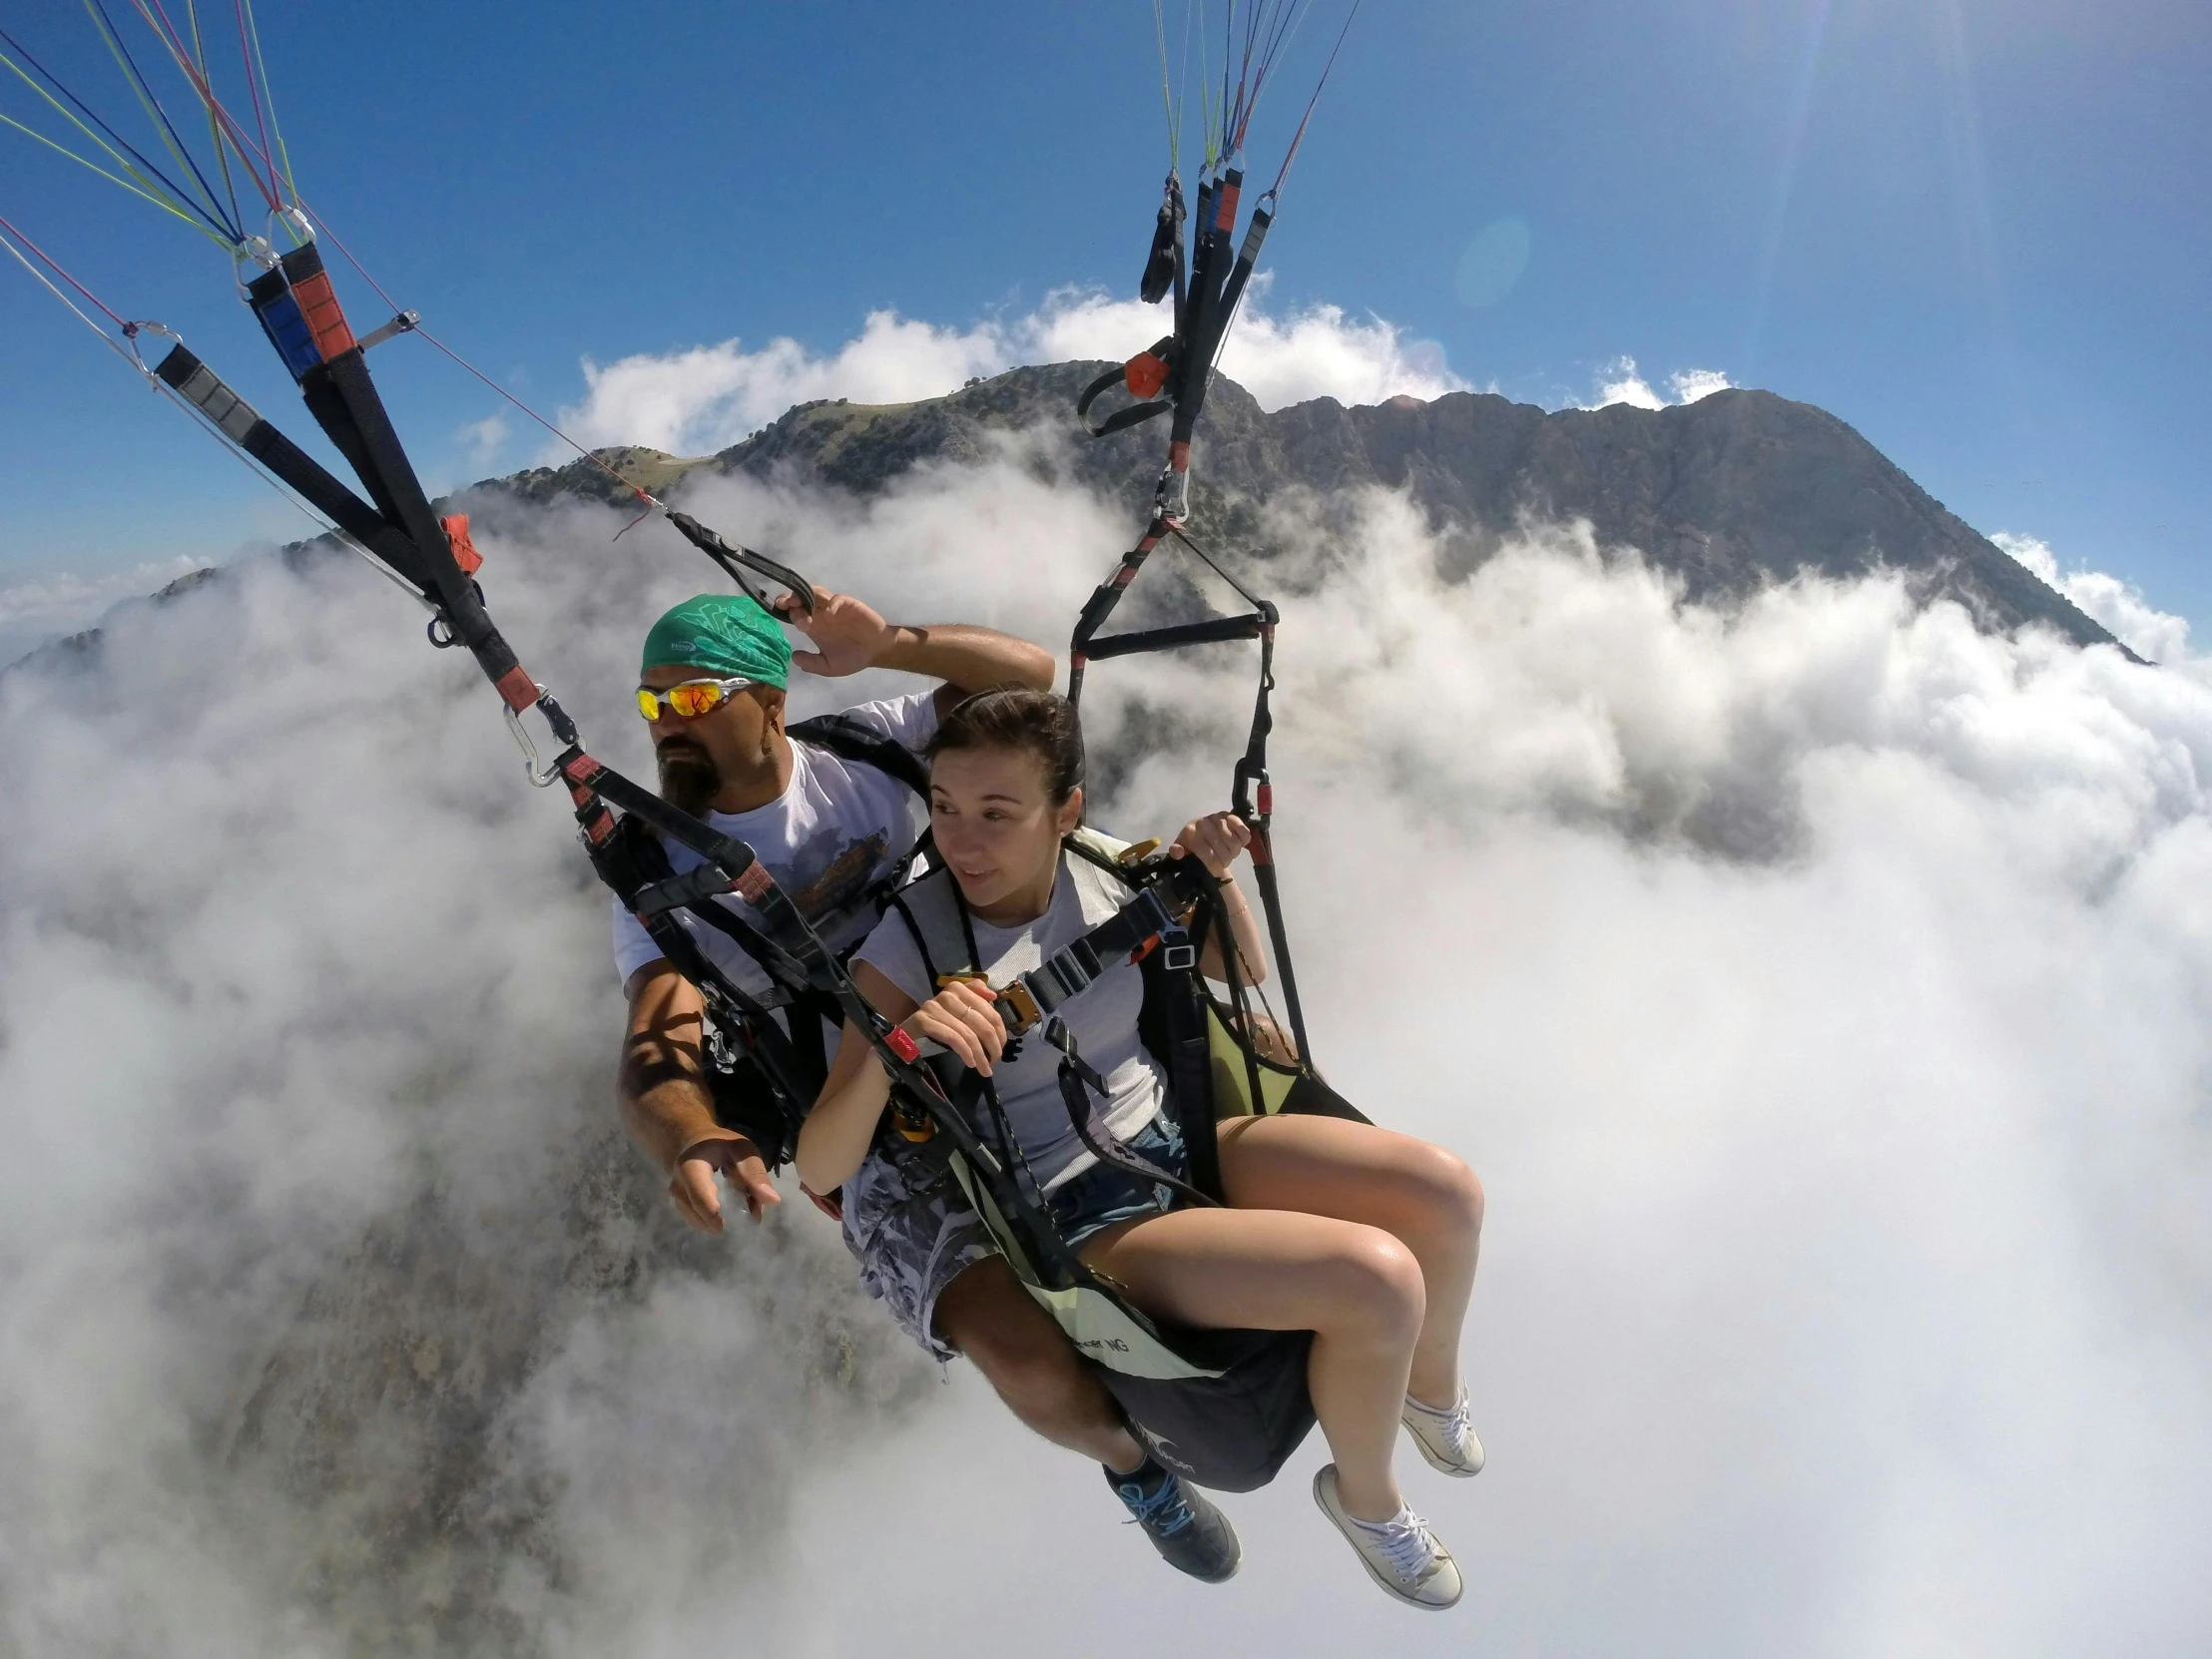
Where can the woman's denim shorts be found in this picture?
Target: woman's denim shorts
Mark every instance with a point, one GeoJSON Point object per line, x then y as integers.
{"type": "Point", "coordinates": [1103, 1195]}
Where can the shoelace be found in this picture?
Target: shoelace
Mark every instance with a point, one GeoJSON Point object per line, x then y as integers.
{"type": "Point", "coordinates": [1453, 1427]}
{"type": "Point", "coordinates": [1406, 1542]}
{"type": "Point", "coordinates": [1164, 1511]}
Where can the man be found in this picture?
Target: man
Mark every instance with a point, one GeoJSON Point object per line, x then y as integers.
{"type": "Point", "coordinates": [830, 828]}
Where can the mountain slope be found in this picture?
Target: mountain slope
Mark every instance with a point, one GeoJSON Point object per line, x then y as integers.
{"type": "Point", "coordinates": [1731, 493]}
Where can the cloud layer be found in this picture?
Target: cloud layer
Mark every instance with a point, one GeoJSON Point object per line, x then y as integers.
{"type": "Point", "coordinates": [708, 397]}
{"type": "Point", "coordinates": [1820, 989]}
{"type": "Point", "coordinates": [48, 607]}
{"type": "Point", "coordinates": [2149, 632]}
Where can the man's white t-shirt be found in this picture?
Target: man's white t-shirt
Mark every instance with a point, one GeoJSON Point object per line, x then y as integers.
{"type": "Point", "coordinates": [840, 826]}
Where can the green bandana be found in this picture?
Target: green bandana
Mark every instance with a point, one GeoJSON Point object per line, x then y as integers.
{"type": "Point", "coordinates": [722, 634]}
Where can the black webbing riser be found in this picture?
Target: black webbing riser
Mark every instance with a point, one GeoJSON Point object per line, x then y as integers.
{"type": "Point", "coordinates": [1232, 293]}
{"type": "Point", "coordinates": [464, 611]}
{"type": "Point", "coordinates": [1252, 798]}
{"type": "Point", "coordinates": [330, 413]}
{"type": "Point", "coordinates": [185, 373]}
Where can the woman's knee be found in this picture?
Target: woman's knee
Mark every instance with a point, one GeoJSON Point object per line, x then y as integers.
{"type": "Point", "coordinates": [1373, 1284]}
{"type": "Point", "coordinates": [1448, 1191]}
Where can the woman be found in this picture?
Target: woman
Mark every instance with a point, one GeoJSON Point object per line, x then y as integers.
{"type": "Point", "coordinates": [1364, 1237]}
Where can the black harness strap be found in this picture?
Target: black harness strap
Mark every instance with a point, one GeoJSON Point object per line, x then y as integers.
{"type": "Point", "coordinates": [794, 1056]}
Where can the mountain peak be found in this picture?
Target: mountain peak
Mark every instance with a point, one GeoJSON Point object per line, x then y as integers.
{"type": "Point", "coordinates": [1731, 493]}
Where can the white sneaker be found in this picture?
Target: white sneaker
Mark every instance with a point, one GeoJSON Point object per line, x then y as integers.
{"type": "Point", "coordinates": [1401, 1555]}
{"type": "Point", "coordinates": [1445, 1439]}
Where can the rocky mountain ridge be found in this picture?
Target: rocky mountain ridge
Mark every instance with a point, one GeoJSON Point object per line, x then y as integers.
{"type": "Point", "coordinates": [1737, 490]}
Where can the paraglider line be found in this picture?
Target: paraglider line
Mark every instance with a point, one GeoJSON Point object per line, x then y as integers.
{"type": "Point", "coordinates": [181, 194]}
{"type": "Point", "coordinates": [269, 97]}
{"type": "Point", "coordinates": [215, 131]}
{"type": "Point", "coordinates": [1299, 138]}
{"type": "Point", "coordinates": [152, 104]}
{"type": "Point", "coordinates": [205, 89]}
{"type": "Point", "coordinates": [94, 299]}
{"type": "Point", "coordinates": [252, 88]}
{"type": "Point", "coordinates": [160, 201]}
{"type": "Point", "coordinates": [652, 504]}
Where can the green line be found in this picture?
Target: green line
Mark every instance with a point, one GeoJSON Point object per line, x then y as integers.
{"type": "Point", "coordinates": [145, 98]}
{"type": "Point", "coordinates": [68, 115]}
{"type": "Point", "coordinates": [268, 102]}
{"type": "Point", "coordinates": [214, 132]}
{"type": "Point", "coordinates": [160, 201]}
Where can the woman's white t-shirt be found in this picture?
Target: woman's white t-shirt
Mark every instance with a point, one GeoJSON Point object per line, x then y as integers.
{"type": "Point", "coordinates": [1102, 1018]}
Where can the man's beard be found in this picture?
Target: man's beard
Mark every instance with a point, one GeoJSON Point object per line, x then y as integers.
{"type": "Point", "coordinates": [689, 779]}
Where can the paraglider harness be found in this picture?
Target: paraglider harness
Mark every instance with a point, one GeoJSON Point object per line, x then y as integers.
{"type": "Point", "coordinates": [762, 1075]}
{"type": "Point", "coordinates": [1225, 1407]}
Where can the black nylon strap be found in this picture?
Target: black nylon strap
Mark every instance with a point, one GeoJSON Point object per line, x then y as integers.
{"type": "Point", "coordinates": [1212, 631]}
{"type": "Point", "coordinates": [1070, 971]}
{"type": "Point", "coordinates": [1077, 1075]}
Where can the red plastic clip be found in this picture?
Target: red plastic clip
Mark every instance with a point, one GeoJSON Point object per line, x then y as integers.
{"type": "Point", "coordinates": [464, 550]}
{"type": "Point", "coordinates": [903, 1045]}
{"type": "Point", "coordinates": [1144, 374]}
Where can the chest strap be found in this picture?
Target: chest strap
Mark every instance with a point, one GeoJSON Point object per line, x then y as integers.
{"type": "Point", "coordinates": [1124, 937]}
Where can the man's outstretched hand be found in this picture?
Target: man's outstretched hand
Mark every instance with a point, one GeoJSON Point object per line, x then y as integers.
{"type": "Point", "coordinates": [696, 1197]}
{"type": "Point", "coordinates": [847, 634]}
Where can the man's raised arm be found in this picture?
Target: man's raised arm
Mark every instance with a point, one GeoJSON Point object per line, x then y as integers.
{"type": "Point", "coordinates": [850, 635]}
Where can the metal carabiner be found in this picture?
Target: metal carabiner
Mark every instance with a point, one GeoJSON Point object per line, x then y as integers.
{"type": "Point", "coordinates": [541, 775]}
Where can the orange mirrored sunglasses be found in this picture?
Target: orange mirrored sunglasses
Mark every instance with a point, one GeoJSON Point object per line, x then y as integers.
{"type": "Point", "coordinates": [691, 699]}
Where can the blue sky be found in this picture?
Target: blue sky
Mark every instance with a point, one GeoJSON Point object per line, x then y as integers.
{"type": "Point", "coordinates": [1975, 230]}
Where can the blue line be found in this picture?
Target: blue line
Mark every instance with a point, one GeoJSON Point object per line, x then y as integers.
{"type": "Point", "coordinates": [236, 232]}
{"type": "Point", "coordinates": [167, 182]}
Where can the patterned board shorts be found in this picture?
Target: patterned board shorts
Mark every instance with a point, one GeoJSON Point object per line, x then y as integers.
{"type": "Point", "coordinates": [913, 1233]}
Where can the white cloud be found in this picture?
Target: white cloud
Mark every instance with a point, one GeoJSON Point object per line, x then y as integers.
{"type": "Point", "coordinates": [1820, 989]}
{"type": "Point", "coordinates": [2118, 605]}
{"type": "Point", "coordinates": [1690, 384]}
{"type": "Point", "coordinates": [485, 439]}
{"type": "Point", "coordinates": [1620, 382]}
{"type": "Point", "coordinates": [36, 609]}
{"type": "Point", "coordinates": [711, 396]}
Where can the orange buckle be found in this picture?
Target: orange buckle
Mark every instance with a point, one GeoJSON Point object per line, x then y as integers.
{"type": "Point", "coordinates": [1144, 374]}
{"type": "Point", "coordinates": [464, 550]}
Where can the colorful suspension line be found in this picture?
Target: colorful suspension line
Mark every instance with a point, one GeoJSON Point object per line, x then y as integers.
{"type": "Point", "coordinates": [151, 180]}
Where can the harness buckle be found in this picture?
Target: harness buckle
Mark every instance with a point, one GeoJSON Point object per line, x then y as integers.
{"type": "Point", "coordinates": [1179, 958]}
{"type": "Point", "coordinates": [1019, 1008]}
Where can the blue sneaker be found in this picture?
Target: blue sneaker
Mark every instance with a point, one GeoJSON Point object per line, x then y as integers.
{"type": "Point", "coordinates": [1189, 1532]}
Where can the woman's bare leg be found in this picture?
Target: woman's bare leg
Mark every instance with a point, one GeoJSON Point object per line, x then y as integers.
{"type": "Point", "coordinates": [1419, 1193]}
{"type": "Point", "coordinates": [1357, 1289]}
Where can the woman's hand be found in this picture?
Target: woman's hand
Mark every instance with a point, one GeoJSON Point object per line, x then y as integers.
{"type": "Point", "coordinates": [1213, 841]}
{"type": "Point", "coordinates": [962, 1017]}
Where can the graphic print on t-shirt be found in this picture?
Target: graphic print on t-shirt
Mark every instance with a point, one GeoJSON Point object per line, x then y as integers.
{"type": "Point", "coordinates": [831, 870]}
